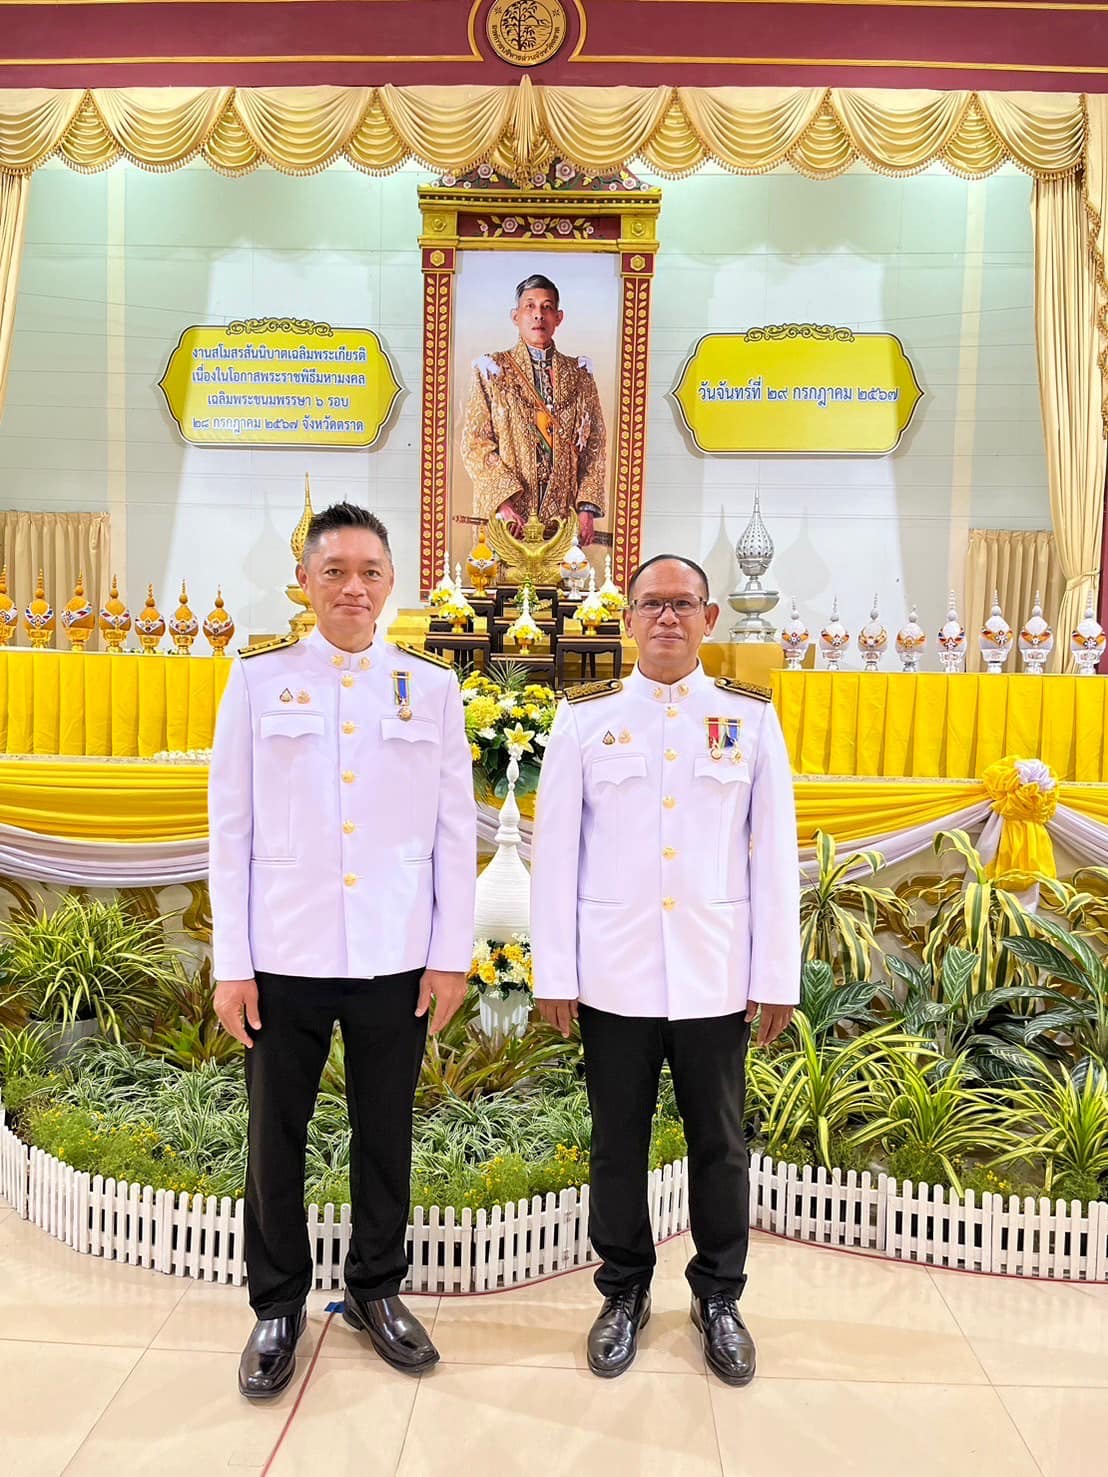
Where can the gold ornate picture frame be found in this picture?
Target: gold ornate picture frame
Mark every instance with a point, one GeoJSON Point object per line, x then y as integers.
{"type": "Point", "coordinates": [561, 211]}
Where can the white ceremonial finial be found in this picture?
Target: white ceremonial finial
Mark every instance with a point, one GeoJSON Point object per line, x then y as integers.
{"type": "Point", "coordinates": [834, 639]}
{"type": "Point", "coordinates": [458, 576]}
{"type": "Point", "coordinates": [1036, 641]}
{"type": "Point", "coordinates": [795, 640]}
{"type": "Point", "coordinates": [996, 638]}
{"type": "Point", "coordinates": [592, 580]}
{"type": "Point", "coordinates": [1088, 641]}
{"type": "Point", "coordinates": [872, 640]}
{"type": "Point", "coordinates": [952, 640]}
{"type": "Point", "coordinates": [910, 642]}
{"type": "Point", "coordinates": [503, 903]}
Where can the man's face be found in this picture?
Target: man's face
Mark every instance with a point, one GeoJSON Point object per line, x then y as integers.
{"type": "Point", "coordinates": [537, 317]}
{"type": "Point", "coordinates": [348, 578]}
{"type": "Point", "coordinates": [668, 638]}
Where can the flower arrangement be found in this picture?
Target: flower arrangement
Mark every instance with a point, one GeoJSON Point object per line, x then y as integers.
{"type": "Point", "coordinates": [455, 608]}
{"type": "Point", "coordinates": [502, 969]}
{"type": "Point", "coordinates": [503, 711]}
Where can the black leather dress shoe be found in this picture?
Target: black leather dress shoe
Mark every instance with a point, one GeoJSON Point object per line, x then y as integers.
{"type": "Point", "coordinates": [728, 1347]}
{"type": "Point", "coordinates": [394, 1331]}
{"type": "Point", "coordinates": [268, 1362]}
{"type": "Point", "coordinates": [614, 1337]}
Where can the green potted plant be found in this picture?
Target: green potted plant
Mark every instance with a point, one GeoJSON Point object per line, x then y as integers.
{"type": "Point", "coordinates": [90, 967]}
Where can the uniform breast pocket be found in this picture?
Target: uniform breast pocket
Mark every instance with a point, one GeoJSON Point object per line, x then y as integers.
{"type": "Point", "coordinates": [616, 790]}
{"type": "Point", "coordinates": [723, 796]}
{"type": "Point", "coordinates": [288, 741]}
{"type": "Point", "coordinates": [409, 790]}
{"type": "Point", "coordinates": [617, 769]}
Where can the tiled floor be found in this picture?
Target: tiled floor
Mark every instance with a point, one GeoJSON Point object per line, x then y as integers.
{"type": "Point", "coordinates": [866, 1369]}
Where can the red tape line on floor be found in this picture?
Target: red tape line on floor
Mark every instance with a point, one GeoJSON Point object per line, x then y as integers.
{"type": "Point", "coordinates": [272, 1457]}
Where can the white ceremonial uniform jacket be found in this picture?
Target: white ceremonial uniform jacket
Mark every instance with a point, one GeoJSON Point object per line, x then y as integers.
{"type": "Point", "coordinates": [342, 838]}
{"type": "Point", "coordinates": [665, 882]}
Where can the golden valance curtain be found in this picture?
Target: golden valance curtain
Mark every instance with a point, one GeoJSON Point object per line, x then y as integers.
{"type": "Point", "coordinates": [298, 130]}
{"type": "Point", "coordinates": [1014, 563]}
{"type": "Point", "coordinates": [62, 545]}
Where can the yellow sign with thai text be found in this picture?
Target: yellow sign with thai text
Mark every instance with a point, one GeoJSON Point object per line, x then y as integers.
{"type": "Point", "coordinates": [798, 389]}
{"type": "Point", "coordinates": [280, 382]}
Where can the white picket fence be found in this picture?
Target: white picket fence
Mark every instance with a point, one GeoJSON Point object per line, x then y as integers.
{"type": "Point", "coordinates": [448, 1251]}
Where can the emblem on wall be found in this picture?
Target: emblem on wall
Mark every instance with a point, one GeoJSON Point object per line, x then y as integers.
{"type": "Point", "coordinates": [526, 32]}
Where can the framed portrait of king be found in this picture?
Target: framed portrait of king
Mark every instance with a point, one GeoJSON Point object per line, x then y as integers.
{"type": "Point", "coordinates": [536, 317]}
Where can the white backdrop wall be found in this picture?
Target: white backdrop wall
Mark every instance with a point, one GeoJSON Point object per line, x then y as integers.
{"type": "Point", "coordinates": [117, 264]}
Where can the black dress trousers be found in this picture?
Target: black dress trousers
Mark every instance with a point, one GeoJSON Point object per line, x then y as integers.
{"type": "Point", "coordinates": [623, 1063]}
{"type": "Point", "coordinates": [384, 1044]}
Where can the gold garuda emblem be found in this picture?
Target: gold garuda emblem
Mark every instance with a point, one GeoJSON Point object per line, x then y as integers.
{"type": "Point", "coordinates": [534, 558]}
{"type": "Point", "coordinates": [526, 32]}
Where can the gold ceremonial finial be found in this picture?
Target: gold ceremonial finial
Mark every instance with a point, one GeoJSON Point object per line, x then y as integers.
{"type": "Point", "coordinates": [219, 627]}
{"type": "Point", "coordinates": [183, 626]}
{"type": "Point", "coordinates": [38, 618]}
{"type": "Point", "coordinates": [482, 564]}
{"type": "Point", "coordinates": [9, 613]}
{"type": "Point", "coordinates": [303, 622]}
{"type": "Point", "coordinates": [300, 532]}
{"type": "Point", "coordinates": [115, 620]}
{"type": "Point", "coordinates": [534, 559]}
{"type": "Point", "coordinates": [78, 617]}
{"type": "Point", "coordinates": [150, 626]}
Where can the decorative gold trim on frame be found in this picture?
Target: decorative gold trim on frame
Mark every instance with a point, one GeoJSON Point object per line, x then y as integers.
{"type": "Point", "coordinates": [445, 210]}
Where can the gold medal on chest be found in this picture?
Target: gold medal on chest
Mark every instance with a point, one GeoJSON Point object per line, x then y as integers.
{"type": "Point", "coordinates": [402, 695]}
{"type": "Point", "coordinates": [609, 737]}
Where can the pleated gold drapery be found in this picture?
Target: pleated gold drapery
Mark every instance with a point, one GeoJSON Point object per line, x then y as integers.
{"type": "Point", "coordinates": [1070, 392]}
{"type": "Point", "coordinates": [62, 545]}
{"type": "Point", "coordinates": [298, 130]}
{"type": "Point", "coordinates": [1096, 214]}
{"type": "Point", "coordinates": [13, 211]}
{"type": "Point", "coordinates": [1014, 563]}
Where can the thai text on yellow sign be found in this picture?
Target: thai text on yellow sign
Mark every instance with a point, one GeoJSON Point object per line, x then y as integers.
{"type": "Point", "coordinates": [798, 388]}
{"type": "Point", "coordinates": [280, 382]}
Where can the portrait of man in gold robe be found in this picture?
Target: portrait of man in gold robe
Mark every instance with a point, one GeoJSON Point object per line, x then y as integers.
{"type": "Point", "coordinates": [533, 438]}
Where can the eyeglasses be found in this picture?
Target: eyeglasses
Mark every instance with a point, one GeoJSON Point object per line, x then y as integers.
{"type": "Point", "coordinates": [683, 606]}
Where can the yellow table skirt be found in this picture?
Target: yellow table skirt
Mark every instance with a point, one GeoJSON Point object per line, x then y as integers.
{"type": "Point", "coordinates": [93, 703]}
{"type": "Point", "coordinates": [888, 725]}
{"type": "Point", "coordinates": [897, 725]}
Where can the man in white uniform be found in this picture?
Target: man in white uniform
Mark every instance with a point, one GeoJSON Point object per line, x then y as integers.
{"type": "Point", "coordinates": [665, 917]}
{"type": "Point", "coordinates": [343, 859]}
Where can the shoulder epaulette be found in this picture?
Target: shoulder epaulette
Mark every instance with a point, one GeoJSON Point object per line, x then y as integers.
{"type": "Point", "coordinates": [424, 656]}
{"type": "Point", "coordinates": [584, 692]}
{"type": "Point", "coordinates": [279, 643]}
{"type": "Point", "coordinates": [748, 689]}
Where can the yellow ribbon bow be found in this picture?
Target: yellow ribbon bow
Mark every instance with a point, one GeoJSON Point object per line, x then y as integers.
{"type": "Point", "coordinates": [1024, 793]}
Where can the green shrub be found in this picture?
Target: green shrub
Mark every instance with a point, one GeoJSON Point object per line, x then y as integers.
{"type": "Point", "coordinates": [667, 1143]}
{"type": "Point", "coordinates": [1075, 1185]}
{"type": "Point", "coordinates": [21, 1091]}
{"type": "Point", "coordinates": [916, 1162]}
{"type": "Point", "coordinates": [27, 1052]}
{"type": "Point", "coordinates": [88, 960]}
{"type": "Point", "coordinates": [567, 1167]}
{"type": "Point", "coordinates": [120, 1151]}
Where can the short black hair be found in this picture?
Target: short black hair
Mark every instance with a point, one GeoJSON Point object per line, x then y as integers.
{"type": "Point", "coordinates": [675, 558]}
{"type": "Point", "coordinates": [344, 515]}
{"type": "Point", "coordinates": [541, 282]}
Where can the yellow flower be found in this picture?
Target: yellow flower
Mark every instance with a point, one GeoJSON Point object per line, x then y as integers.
{"type": "Point", "coordinates": [482, 712]}
{"type": "Point", "coordinates": [519, 737]}
{"type": "Point", "coordinates": [475, 752]}
{"type": "Point", "coordinates": [513, 954]}
{"type": "Point", "coordinates": [487, 973]}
